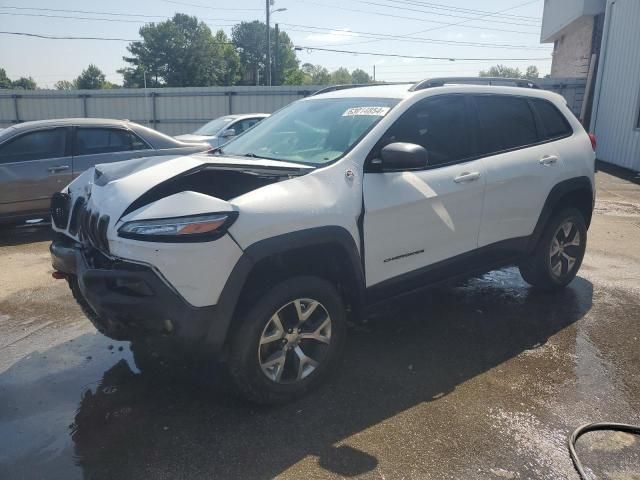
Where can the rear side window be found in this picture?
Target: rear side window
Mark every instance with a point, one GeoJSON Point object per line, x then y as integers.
{"type": "Point", "coordinates": [90, 141]}
{"type": "Point", "coordinates": [38, 145]}
{"type": "Point", "coordinates": [505, 123]}
{"type": "Point", "coordinates": [439, 124]}
{"type": "Point", "coordinates": [553, 122]}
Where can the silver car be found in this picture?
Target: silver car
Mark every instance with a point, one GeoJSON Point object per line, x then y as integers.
{"type": "Point", "coordinates": [219, 131]}
{"type": "Point", "coordinates": [39, 158]}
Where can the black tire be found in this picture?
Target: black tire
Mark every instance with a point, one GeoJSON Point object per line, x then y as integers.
{"type": "Point", "coordinates": [245, 353]}
{"type": "Point", "coordinates": [538, 269]}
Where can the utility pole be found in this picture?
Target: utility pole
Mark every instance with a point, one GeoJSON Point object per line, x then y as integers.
{"type": "Point", "coordinates": [275, 56]}
{"type": "Point", "coordinates": [268, 8]}
{"type": "Point", "coordinates": [374, 74]}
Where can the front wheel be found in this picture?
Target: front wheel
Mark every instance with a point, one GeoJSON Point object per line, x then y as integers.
{"type": "Point", "coordinates": [559, 253]}
{"type": "Point", "coordinates": [288, 343]}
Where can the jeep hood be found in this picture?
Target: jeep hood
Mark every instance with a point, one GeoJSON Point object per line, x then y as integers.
{"type": "Point", "coordinates": [120, 188]}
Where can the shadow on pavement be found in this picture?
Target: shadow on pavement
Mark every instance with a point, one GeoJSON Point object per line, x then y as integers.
{"type": "Point", "coordinates": [137, 425]}
{"type": "Point", "coordinates": [619, 172]}
{"type": "Point", "coordinates": [11, 236]}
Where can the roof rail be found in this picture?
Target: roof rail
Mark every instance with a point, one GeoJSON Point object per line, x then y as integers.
{"type": "Point", "coordinates": [334, 88]}
{"type": "Point", "coordinates": [502, 81]}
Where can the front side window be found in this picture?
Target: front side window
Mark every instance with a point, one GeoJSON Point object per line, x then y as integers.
{"type": "Point", "coordinates": [91, 141]}
{"type": "Point", "coordinates": [439, 124]}
{"type": "Point", "coordinates": [553, 122]}
{"type": "Point", "coordinates": [244, 125]}
{"type": "Point", "coordinates": [506, 123]}
{"type": "Point", "coordinates": [214, 127]}
{"type": "Point", "coordinates": [314, 131]}
{"type": "Point", "coordinates": [38, 145]}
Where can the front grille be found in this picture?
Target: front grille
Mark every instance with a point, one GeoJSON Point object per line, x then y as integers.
{"type": "Point", "coordinates": [74, 223]}
{"type": "Point", "coordinates": [60, 205]}
{"type": "Point", "coordinates": [92, 228]}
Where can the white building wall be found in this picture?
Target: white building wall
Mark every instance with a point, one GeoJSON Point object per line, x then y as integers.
{"type": "Point", "coordinates": [617, 94]}
{"type": "Point", "coordinates": [558, 14]}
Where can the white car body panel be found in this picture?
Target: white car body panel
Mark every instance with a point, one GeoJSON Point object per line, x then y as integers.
{"type": "Point", "coordinates": [404, 212]}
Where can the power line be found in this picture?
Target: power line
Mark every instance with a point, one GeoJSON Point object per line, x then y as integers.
{"type": "Point", "coordinates": [377, 54]}
{"type": "Point", "coordinates": [197, 5]}
{"type": "Point", "coordinates": [465, 21]}
{"type": "Point", "coordinates": [382, 36]}
{"type": "Point", "coordinates": [440, 6]}
{"type": "Point", "coordinates": [83, 11]}
{"type": "Point", "coordinates": [52, 37]}
{"type": "Point", "coordinates": [117, 20]}
{"type": "Point", "coordinates": [403, 17]}
{"type": "Point", "coordinates": [396, 7]}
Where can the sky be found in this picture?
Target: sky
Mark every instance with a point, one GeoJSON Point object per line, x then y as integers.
{"type": "Point", "coordinates": [471, 32]}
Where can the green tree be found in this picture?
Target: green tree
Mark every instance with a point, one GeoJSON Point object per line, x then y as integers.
{"type": "Point", "coordinates": [250, 38]}
{"type": "Point", "coordinates": [360, 76]}
{"type": "Point", "coordinates": [26, 83]}
{"type": "Point", "coordinates": [295, 76]}
{"type": "Point", "coordinates": [532, 72]}
{"type": "Point", "coordinates": [341, 76]}
{"type": "Point", "coordinates": [181, 52]}
{"type": "Point", "coordinates": [318, 75]}
{"type": "Point", "coordinates": [91, 78]}
{"type": "Point", "coordinates": [64, 85]}
{"type": "Point", "coordinates": [510, 72]}
{"type": "Point", "coordinates": [5, 82]}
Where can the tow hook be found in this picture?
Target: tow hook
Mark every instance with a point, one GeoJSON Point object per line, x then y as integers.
{"type": "Point", "coordinates": [58, 275]}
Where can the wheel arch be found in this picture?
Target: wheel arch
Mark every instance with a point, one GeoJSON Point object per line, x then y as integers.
{"type": "Point", "coordinates": [329, 252]}
{"type": "Point", "coordinates": [575, 192]}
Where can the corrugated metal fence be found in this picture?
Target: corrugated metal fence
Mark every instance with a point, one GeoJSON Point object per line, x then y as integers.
{"type": "Point", "coordinates": [181, 110]}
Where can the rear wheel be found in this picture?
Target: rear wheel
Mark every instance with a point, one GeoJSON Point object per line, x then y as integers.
{"type": "Point", "coordinates": [289, 341]}
{"type": "Point", "coordinates": [558, 256]}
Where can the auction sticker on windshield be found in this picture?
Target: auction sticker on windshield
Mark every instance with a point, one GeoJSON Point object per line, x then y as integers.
{"type": "Point", "coordinates": [369, 111]}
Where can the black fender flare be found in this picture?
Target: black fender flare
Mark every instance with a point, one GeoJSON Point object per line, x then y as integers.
{"type": "Point", "coordinates": [317, 236]}
{"type": "Point", "coordinates": [572, 185]}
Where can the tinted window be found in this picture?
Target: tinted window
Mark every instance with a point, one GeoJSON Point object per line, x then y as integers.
{"type": "Point", "coordinates": [106, 140]}
{"type": "Point", "coordinates": [439, 124]}
{"type": "Point", "coordinates": [553, 122]}
{"type": "Point", "coordinates": [243, 125]}
{"type": "Point", "coordinates": [505, 123]}
{"type": "Point", "coordinates": [35, 146]}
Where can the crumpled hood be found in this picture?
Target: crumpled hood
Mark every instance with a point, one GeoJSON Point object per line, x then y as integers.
{"type": "Point", "coordinates": [115, 186]}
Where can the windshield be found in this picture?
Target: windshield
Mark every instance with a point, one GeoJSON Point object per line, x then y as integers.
{"type": "Point", "coordinates": [214, 126]}
{"type": "Point", "coordinates": [312, 131]}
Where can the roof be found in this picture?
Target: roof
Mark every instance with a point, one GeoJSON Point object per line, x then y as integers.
{"type": "Point", "coordinates": [402, 91]}
{"type": "Point", "coordinates": [239, 116]}
{"type": "Point", "coordinates": [70, 121]}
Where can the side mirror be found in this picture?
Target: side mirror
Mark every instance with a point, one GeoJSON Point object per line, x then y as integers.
{"type": "Point", "coordinates": [400, 156]}
{"type": "Point", "coordinates": [230, 132]}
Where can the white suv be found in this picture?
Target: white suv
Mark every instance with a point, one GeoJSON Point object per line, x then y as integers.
{"type": "Point", "coordinates": [260, 252]}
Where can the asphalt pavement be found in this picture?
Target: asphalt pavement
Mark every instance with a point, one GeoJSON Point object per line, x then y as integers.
{"type": "Point", "coordinates": [484, 379]}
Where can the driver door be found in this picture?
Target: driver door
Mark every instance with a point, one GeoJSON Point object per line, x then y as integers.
{"type": "Point", "coordinates": [415, 219]}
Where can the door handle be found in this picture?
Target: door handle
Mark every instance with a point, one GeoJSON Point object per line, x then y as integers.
{"type": "Point", "coordinates": [548, 160]}
{"type": "Point", "coordinates": [59, 168]}
{"type": "Point", "coordinates": [467, 177]}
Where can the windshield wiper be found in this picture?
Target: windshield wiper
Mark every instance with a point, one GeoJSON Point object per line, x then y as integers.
{"type": "Point", "coordinates": [252, 155]}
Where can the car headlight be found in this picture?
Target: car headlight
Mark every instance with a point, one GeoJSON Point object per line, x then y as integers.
{"type": "Point", "coordinates": [193, 228]}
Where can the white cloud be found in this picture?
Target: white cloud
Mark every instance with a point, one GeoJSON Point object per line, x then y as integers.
{"type": "Point", "coordinates": [333, 36]}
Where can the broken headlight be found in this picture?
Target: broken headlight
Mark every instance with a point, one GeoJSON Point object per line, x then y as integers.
{"type": "Point", "coordinates": [192, 228]}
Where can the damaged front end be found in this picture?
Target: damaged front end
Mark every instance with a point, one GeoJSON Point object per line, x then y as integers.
{"type": "Point", "coordinates": [121, 234]}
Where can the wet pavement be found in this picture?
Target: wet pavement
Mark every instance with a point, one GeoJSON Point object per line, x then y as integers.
{"type": "Point", "coordinates": [485, 379]}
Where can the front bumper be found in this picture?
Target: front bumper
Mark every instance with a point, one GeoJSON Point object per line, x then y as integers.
{"type": "Point", "coordinates": [132, 301]}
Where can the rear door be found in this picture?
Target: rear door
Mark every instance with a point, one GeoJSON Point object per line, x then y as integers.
{"type": "Point", "coordinates": [95, 145]}
{"type": "Point", "coordinates": [33, 166]}
{"type": "Point", "coordinates": [415, 219]}
{"type": "Point", "coordinates": [522, 166]}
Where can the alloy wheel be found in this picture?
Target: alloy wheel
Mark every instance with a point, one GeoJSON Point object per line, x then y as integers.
{"type": "Point", "coordinates": [295, 341]}
{"type": "Point", "coordinates": [565, 248]}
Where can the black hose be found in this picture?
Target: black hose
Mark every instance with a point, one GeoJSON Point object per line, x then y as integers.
{"type": "Point", "coordinates": [592, 427]}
